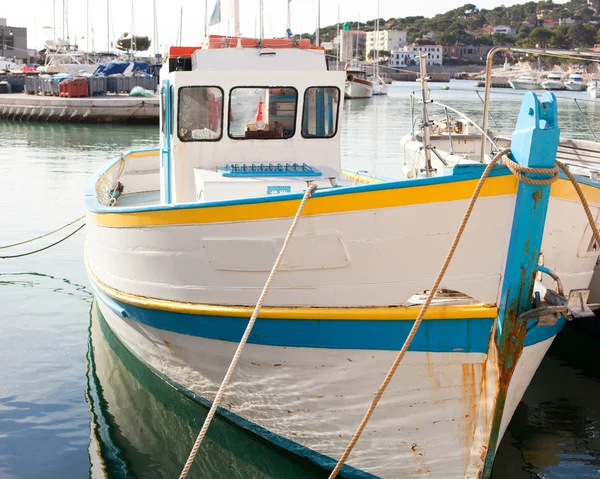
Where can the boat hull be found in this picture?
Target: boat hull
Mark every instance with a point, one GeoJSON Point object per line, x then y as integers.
{"type": "Point", "coordinates": [310, 399]}
{"type": "Point", "coordinates": [594, 93]}
{"type": "Point", "coordinates": [575, 86]}
{"type": "Point", "coordinates": [553, 85]}
{"type": "Point", "coordinates": [517, 85]}
{"type": "Point", "coordinates": [380, 88]}
{"type": "Point", "coordinates": [357, 88]}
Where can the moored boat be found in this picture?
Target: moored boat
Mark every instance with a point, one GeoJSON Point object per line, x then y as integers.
{"type": "Point", "coordinates": [357, 85]}
{"type": "Point", "coordinates": [575, 82]}
{"type": "Point", "coordinates": [553, 82]}
{"type": "Point", "coordinates": [525, 83]}
{"type": "Point", "coordinates": [181, 238]}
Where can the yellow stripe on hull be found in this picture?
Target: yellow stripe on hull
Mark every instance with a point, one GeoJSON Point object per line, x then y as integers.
{"type": "Point", "coordinates": [397, 313]}
{"type": "Point", "coordinates": [461, 190]}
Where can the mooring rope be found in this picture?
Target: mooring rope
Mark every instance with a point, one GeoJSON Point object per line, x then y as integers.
{"type": "Point", "coordinates": [242, 344]}
{"type": "Point", "coordinates": [42, 236]}
{"type": "Point", "coordinates": [45, 247]}
{"type": "Point", "coordinates": [518, 171]}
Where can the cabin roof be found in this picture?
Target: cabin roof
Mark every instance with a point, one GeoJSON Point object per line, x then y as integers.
{"type": "Point", "coordinates": [261, 59]}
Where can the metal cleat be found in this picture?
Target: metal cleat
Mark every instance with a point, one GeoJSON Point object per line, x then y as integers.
{"type": "Point", "coordinates": [546, 315]}
{"type": "Point", "coordinates": [577, 304]}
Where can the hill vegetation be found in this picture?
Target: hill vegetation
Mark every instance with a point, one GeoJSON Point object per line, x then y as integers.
{"type": "Point", "coordinates": [534, 23]}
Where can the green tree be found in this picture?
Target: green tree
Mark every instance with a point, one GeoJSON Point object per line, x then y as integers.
{"type": "Point", "coordinates": [541, 36]}
{"type": "Point", "coordinates": [140, 43]}
{"type": "Point", "coordinates": [581, 35]}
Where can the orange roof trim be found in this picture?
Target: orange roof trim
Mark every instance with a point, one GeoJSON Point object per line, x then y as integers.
{"type": "Point", "coordinates": [222, 41]}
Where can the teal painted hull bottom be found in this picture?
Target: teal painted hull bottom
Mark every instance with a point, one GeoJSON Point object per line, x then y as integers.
{"type": "Point", "coordinates": [142, 424]}
{"type": "Point", "coordinates": [309, 400]}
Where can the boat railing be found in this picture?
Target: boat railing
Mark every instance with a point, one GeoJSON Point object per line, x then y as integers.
{"type": "Point", "coordinates": [589, 55]}
{"type": "Point", "coordinates": [447, 109]}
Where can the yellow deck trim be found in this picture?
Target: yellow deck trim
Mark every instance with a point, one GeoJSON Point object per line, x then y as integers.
{"type": "Point", "coordinates": [564, 190]}
{"type": "Point", "coordinates": [415, 195]}
{"type": "Point", "coordinates": [398, 313]}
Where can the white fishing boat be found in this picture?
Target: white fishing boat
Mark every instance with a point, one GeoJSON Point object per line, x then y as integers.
{"type": "Point", "coordinates": [575, 82]}
{"type": "Point", "coordinates": [181, 239]}
{"type": "Point", "coordinates": [525, 83]}
{"type": "Point", "coordinates": [357, 85]}
{"type": "Point", "coordinates": [553, 82]}
{"type": "Point", "coordinates": [593, 88]}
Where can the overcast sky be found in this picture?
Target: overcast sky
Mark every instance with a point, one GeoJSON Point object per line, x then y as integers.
{"type": "Point", "coordinates": [36, 14]}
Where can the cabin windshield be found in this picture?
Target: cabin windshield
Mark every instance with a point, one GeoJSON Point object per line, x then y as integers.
{"type": "Point", "coordinates": [262, 113]}
{"type": "Point", "coordinates": [200, 113]}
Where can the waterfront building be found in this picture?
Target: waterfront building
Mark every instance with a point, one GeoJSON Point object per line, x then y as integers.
{"type": "Point", "coordinates": [13, 41]}
{"type": "Point", "coordinates": [503, 29]}
{"type": "Point", "coordinates": [386, 40]}
{"type": "Point", "coordinates": [409, 55]}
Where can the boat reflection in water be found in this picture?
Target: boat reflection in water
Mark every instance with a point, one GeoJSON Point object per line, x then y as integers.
{"type": "Point", "coordinates": [141, 426]}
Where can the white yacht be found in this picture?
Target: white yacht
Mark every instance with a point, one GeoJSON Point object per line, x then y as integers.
{"type": "Point", "coordinates": [525, 83]}
{"type": "Point", "coordinates": [553, 82]}
{"type": "Point", "coordinates": [593, 88]}
{"type": "Point", "coordinates": [575, 82]}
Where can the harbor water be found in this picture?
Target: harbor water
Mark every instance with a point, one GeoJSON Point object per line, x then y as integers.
{"type": "Point", "coordinates": [74, 402]}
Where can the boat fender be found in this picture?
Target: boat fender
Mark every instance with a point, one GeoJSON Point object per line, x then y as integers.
{"type": "Point", "coordinates": [350, 77]}
{"type": "Point", "coordinates": [408, 172]}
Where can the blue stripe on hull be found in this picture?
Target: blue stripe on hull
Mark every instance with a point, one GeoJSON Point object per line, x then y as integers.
{"type": "Point", "coordinates": [443, 335]}
{"type": "Point", "coordinates": [304, 452]}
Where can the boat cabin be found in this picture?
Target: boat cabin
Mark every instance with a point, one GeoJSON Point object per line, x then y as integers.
{"type": "Point", "coordinates": [251, 121]}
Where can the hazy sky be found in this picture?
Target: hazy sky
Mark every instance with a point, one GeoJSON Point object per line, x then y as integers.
{"type": "Point", "coordinates": [36, 14]}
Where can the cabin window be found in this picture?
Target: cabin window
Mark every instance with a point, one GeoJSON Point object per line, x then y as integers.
{"type": "Point", "coordinates": [320, 116]}
{"type": "Point", "coordinates": [262, 113]}
{"type": "Point", "coordinates": [200, 113]}
{"type": "Point", "coordinates": [163, 109]}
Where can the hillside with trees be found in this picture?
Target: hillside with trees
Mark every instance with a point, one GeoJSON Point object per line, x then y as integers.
{"type": "Point", "coordinates": [574, 24]}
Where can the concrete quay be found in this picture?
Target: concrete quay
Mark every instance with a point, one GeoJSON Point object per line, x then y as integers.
{"type": "Point", "coordinates": [97, 109]}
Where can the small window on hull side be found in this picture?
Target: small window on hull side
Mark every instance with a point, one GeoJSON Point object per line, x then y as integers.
{"type": "Point", "coordinates": [200, 113]}
{"type": "Point", "coordinates": [320, 116]}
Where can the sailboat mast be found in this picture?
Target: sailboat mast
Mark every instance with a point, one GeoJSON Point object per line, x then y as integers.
{"type": "Point", "coordinates": [261, 26]}
{"type": "Point", "coordinates": [338, 39]}
{"type": "Point", "coordinates": [155, 32]}
{"type": "Point", "coordinates": [377, 43]}
{"type": "Point", "coordinates": [317, 38]}
{"type": "Point", "coordinates": [205, 18]}
{"type": "Point", "coordinates": [236, 21]}
{"type": "Point", "coordinates": [107, 26]}
{"type": "Point", "coordinates": [87, 26]}
{"type": "Point", "coordinates": [180, 24]}
{"type": "Point", "coordinates": [288, 31]}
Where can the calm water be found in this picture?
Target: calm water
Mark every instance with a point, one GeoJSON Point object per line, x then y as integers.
{"type": "Point", "coordinates": [71, 396]}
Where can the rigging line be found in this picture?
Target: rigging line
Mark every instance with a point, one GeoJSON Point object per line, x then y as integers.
{"type": "Point", "coordinates": [45, 247]}
{"type": "Point", "coordinates": [42, 236]}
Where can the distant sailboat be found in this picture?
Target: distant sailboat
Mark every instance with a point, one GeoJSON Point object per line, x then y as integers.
{"type": "Point", "coordinates": [379, 85]}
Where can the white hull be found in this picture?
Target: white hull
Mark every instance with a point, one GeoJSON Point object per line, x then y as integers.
{"type": "Point", "coordinates": [575, 86]}
{"type": "Point", "coordinates": [353, 89]}
{"type": "Point", "coordinates": [423, 427]}
{"type": "Point", "coordinates": [553, 85]}
{"type": "Point", "coordinates": [594, 93]}
{"type": "Point", "coordinates": [380, 88]}
{"type": "Point", "coordinates": [518, 85]}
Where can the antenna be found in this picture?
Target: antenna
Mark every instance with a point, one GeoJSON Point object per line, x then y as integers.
{"type": "Point", "coordinates": [180, 24]}
{"type": "Point", "coordinates": [107, 26]}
